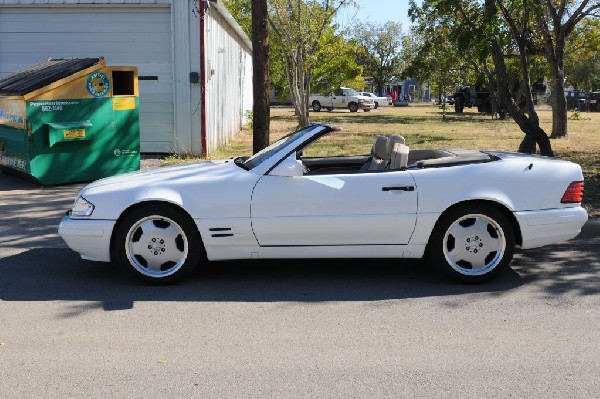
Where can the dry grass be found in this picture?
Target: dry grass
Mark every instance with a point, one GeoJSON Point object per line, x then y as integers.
{"type": "Point", "coordinates": [423, 127]}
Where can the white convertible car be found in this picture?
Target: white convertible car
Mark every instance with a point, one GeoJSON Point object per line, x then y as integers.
{"type": "Point", "coordinates": [466, 210]}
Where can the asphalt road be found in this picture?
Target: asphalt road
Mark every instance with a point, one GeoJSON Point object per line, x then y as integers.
{"type": "Point", "coordinates": [281, 329]}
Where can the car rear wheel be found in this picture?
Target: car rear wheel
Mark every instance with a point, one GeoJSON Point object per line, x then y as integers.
{"type": "Point", "coordinates": [472, 244]}
{"type": "Point", "coordinates": [316, 106]}
{"type": "Point", "coordinates": [159, 244]}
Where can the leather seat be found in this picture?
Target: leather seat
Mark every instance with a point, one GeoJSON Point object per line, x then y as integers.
{"type": "Point", "coordinates": [379, 155]}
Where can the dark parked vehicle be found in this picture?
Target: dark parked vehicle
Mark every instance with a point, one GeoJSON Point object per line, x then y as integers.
{"type": "Point", "coordinates": [469, 96]}
{"type": "Point", "coordinates": [576, 99]}
{"type": "Point", "coordinates": [593, 101]}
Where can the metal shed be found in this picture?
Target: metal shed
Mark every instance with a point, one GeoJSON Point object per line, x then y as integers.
{"type": "Point", "coordinates": [163, 39]}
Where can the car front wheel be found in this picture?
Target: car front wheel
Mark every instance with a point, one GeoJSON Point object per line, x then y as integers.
{"type": "Point", "coordinates": [353, 107]}
{"type": "Point", "coordinates": [316, 106]}
{"type": "Point", "coordinates": [472, 244]}
{"type": "Point", "coordinates": [158, 243]}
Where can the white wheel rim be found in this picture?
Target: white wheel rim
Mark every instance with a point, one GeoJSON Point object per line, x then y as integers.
{"type": "Point", "coordinates": [474, 245]}
{"type": "Point", "coordinates": [156, 246]}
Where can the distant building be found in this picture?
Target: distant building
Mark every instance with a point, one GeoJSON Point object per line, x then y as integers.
{"type": "Point", "coordinates": [403, 88]}
{"type": "Point", "coordinates": [195, 66]}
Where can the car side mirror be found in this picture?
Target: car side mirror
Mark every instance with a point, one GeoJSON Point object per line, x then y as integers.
{"type": "Point", "coordinates": [289, 167]}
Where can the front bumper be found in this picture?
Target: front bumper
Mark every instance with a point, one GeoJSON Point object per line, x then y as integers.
{"type": "Point", "coordinates": [91, 238]}
{"type": "Point", "coordinates": [366, 105]}
{"type": "Point", "coordinates": [539, 228]}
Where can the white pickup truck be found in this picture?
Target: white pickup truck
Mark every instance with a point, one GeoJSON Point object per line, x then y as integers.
{"type": "Point", "coordinates": [343, 97]}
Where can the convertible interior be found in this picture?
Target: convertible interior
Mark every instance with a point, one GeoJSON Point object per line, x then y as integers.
{"type": "Point", "coordinates": [391, 153]}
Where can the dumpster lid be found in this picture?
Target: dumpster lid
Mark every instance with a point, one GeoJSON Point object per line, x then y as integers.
{"type": "Point", "coordinates": [42, 74]}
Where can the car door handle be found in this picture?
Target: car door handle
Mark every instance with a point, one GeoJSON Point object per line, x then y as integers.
{"type": "Point", "coordinates": [398, 188]}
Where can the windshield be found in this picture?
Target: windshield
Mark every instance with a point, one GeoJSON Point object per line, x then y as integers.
{"type": "Point", "coordinates": [350, 92]}
{"type": "Point", "coordinates": [271, 150]}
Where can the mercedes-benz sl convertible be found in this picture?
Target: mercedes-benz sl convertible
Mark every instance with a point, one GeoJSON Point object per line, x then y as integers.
{"type": "Point", "coordinates": [465, 210]}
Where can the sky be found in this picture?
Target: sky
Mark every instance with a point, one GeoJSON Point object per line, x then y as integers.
{"type": "Point", "coordinates": [380, 11]}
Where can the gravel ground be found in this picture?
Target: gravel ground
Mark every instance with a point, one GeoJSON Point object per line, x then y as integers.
{"type": "Point", "coordinates": [149, 161]}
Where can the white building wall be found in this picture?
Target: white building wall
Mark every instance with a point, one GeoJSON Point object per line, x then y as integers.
{"type": "Point", "coordinates": [228, 77]}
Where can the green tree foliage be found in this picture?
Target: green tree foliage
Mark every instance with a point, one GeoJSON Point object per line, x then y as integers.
{"type": "Point", "coordinates": [299, 26]}
{"type": "Point", "coordinates": [430, 56]}
{"type": "Point", "coordinates": [582, 64]}
{"type": "Point", "coordinates": [336, 65]}
{"type": "Point", "coordinates": [241, 10]}
{"type": "Point", "coordinates": [381, 49]}
{"type": "Point", "coordinates": [486, 39]}
{"type": "Point", "coordinates": [306, 51]}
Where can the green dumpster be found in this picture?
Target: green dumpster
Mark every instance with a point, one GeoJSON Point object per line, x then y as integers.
{"type": "Point", "coordinates": [70, 120]}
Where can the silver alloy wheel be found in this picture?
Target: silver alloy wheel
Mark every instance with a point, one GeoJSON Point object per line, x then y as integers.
{"type": "Point", "coordinates": [156, 246]}
{"type": "Point", "coordinates": [474, 244]}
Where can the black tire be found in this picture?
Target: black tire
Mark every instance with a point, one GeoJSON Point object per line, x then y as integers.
{"type": "Point", "coordinates": [329, 109]}
{"type": "Point", "coordinates": [353, 107]}
{"type": "Point", "coordinates": [376, 105]}
{"type": "Point", "coordinates": [472, 243]}
{"type": "Point", "coordinates": [169, 249]}
{"type": "Point", "coordinates": [316, 106]}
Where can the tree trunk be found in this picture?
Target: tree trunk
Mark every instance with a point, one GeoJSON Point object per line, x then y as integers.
{"type": "Point", "coordinates": [297, 81]}
{"type": "Point", "coordinates": [527, 146]}
{"type": "Point", "coordinates": [559, 106]}
{"type": "Point", "coordinates": [534, 133]}
{"type": "Point", "coordinates": [261, 112]}
{"type": "Point", "coordinates": [528, 124]}
{"type": "Point", "coordinates": [555, 39]}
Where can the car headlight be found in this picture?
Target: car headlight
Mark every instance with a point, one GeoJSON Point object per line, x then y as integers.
{"type": "Point", "coordinates": [82, 207]}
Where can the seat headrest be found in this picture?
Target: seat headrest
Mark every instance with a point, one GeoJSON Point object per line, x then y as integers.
{"type": "Point", "coordinates": [393, 140]}
{"type": "Point", "coordinates": [380, 147]}
{"type": "Point", "coordinates": [399, 158]}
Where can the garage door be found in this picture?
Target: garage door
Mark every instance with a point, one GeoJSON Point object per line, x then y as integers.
{"type": "Point", "coordinates": [138, 36]}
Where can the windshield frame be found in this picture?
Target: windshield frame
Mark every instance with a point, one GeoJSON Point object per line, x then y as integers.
{"type": "Point", "coordinates": [291, 139]}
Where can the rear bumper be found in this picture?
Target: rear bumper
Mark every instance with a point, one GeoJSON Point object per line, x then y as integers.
{"type": "Point", "coordinates": [91, 238]}
{"type": "Point", "coordinates": [539, 228]}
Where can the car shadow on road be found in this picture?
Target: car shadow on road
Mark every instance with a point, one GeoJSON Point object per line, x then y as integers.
{"type": "Point", "coordinates": [571, 268]}
{"type": "Point", "coordinates": [568, 268]}
{"type": "Point", "coordinates": [60, 275]}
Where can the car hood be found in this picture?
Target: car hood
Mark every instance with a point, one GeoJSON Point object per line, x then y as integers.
{"type": "Point", "coordinates": [202, 189]}
{"type": "Point", "coordinates": [170, 175]}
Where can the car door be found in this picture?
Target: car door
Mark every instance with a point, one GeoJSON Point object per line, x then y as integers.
{"type": "Point", "coordinates": [339, 99]}
{"type": "Point", "coordinates": [334, 209]}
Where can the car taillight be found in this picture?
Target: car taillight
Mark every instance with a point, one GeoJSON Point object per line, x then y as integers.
{"type": "Point", "coordinates": [573, 193]}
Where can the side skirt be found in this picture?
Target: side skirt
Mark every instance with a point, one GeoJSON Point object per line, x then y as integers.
{"type": "Point", "coordinates": [316, 252]}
